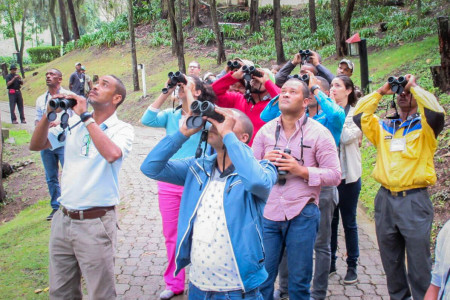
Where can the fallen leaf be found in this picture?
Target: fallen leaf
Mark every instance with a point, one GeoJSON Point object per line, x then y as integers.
{"type": "Point", "coordinates": [37, 291]}
{"type": "Point", "coordinates": [46, 289]}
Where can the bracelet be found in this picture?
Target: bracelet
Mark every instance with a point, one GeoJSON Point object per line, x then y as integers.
{"type": "Point", "coordinates": [89, 121]}
{"type": "Point", "coordinates": [314, 87]}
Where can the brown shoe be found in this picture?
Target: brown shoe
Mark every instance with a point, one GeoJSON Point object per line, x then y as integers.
{"type": "Point", "coordinates": [15, 122]}
{"type": "Point", "coordinates": [24, 122]}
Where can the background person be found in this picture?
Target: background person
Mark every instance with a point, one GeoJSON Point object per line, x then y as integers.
{"type": "Point", "coordinates": [51, 157]}
{"type": "Point", "coordinates": [87, 82]}
{"type": "Point", "coordinates": [194, 69]}
{"type": "Point", "coordinates": [219, 227]}
{"type": "Point", "coordinates": [14, 83]}
{"type": "Point", "coordinates": [405, 144]}
{"type": "Point", "coordinates": [84, 230]}
{"type": "Point", "coordinates": [169, 195]}
{"type": "Point", "coordinates": [77, 80]}
{"type": "Point", "coordinates": [345, 67]}
{"type": "Point", "coordinates": [342, 91]}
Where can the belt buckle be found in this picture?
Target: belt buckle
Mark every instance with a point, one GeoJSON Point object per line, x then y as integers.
{"type": "Point", "coordinates": [395, 194]}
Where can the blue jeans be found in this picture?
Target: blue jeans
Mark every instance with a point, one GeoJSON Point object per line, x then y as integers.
{"type": "Point", "coordinates": [348, 202]}
{"type": "Point", "coordinates": [50, 160]}
{"type": "Point", "coordinates": [298, 236]}
{"type": "Point", "coordinates": [196, 294]}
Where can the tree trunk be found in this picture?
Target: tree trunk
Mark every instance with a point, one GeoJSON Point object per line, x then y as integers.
{"type": "Point", "coordinates": [164, 12]}
{"type": "Point", "coordinates": [133, 46]}
{"type": "Point", "coordinates": [173, 25]}
{"type": "Point", "coordinates": [254, 16]}
{"type": "Point", "coordinates": [63, 21]}
{"type": "Point", "coordinates": [312, 16]}
{"type": "Point", "coordinates": [180, 38]}
{"type": "Point", "coordinates": [2, 190]}
{"type": "Point", "coordinates": [22, 39]}
{"type": "Point", "coordinates": [441, 74]}
{"type": "Point", "coordinates": [13, 27]}
{"type": "Point", "coordinates": [221, 57]}
{"type": "Point", "coordinates": [193, 13]}
{"type": "Point", "coordinates": [51, 6]}
{"type": "Point", "coordinates": [73, 19]}
{"type": "Point", "coordinates": [341, 25]}
{"type": "Point", "coordinates": [277, 26]}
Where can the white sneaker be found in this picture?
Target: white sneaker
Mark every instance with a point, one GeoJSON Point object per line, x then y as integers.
{"type": "Point", "coordinates": [166, 294]}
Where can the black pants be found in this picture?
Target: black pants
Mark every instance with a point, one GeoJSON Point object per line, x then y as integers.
{"type": "Point", "coordinates": [13, 100]}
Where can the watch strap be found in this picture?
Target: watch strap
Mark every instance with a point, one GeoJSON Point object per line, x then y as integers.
{"type": "Point", "coordinates": [314, 87]}
{"type": "Point", "coordinates": [85, 116]}
{"type": "Point", "coordinates": [89, 121]}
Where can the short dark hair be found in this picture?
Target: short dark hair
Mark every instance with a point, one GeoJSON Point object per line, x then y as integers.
{"type": "Point", "coordinates": [315, 71]}
{"type": "Point", "coordinates": [348, 83]}
{"type": "Point", "coordinates": [247, 124]}
{"type": "Point", "coordinates": [323, 83]}
{"type": "Point", "coordinates": [57, 72]}
{"type": "Point", "coordinates": [120, 89]}
{"type": "Point", "coordinates": [305, 88]}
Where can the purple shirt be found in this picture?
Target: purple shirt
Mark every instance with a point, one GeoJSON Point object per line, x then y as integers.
{"type": "Point", "coordinates": [320, 156]}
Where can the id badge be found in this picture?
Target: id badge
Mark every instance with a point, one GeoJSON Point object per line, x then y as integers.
{"type": "Point", "coordinates": [398, 145]}
{"type": "Point", "coordinates": [81, 80]}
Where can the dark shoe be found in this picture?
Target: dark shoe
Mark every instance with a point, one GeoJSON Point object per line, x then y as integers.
{"type": "Point", "coordinates": [50, 216]}
{"type": "Point", "coordinates": [351, 276]}
{"type": "Point", "coordinates": [15, 122]}
{"type": "Point", "coordinates": [332, 269]}
{"type": "Point", "coordinates": [279, 295]}
{"type": "Point", "coordinates": [24, 122]}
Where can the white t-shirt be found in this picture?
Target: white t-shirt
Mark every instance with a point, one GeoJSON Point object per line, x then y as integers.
{"type": "Point", "coordinates": [213, 266]}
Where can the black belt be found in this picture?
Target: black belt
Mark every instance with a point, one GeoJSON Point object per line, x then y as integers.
{"type": "Point", "coordinates": [91, 213]}
{"type": "Point", "coordinates": [405, 192]}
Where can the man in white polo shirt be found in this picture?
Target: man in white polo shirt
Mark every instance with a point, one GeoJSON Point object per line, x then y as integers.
{"type": "Point", "coordinates": [83, 233]}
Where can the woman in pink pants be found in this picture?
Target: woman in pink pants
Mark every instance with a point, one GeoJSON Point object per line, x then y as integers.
{"type": "Point", "coordinates": [169, 195]}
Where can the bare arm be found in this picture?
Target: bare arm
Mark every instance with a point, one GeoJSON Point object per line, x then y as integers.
{"type": "Point", "coordinates": [105, 146]}
{"type": "Point", "coordinates": [39, 140]}
{"type": "Point", "coordinates": [12, 80]}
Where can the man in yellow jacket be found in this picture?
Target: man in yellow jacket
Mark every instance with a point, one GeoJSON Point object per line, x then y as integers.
{"type": "Point", "coordinates": [405, 144]}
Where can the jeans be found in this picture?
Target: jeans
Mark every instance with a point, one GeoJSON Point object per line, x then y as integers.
{"type": "Point", "coordinates": [50, 160]}
{"type": "Point", "coordinates": [13, 100]}
{"type": "Point", "coordinates": [298, 236]}
{"type": "Point", "coordinates": [348, 202]}
{"type": "Point", "coordinates": [196, 294]}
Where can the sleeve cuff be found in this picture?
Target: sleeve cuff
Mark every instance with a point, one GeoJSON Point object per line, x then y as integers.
{"type": "Point", "coordinates": [314, 177]}
{"type": "Point", "coordinates": [178, 137]}
{"type": "Point", "coordinates": [54, 143]}
{"type": "Point", "coordinates": [435, 279]}
{"type": "Point", "coordinates": [151, 108]}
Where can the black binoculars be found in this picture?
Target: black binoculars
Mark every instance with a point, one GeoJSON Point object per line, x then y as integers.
{"type": "Point", "coordinates": [62, 103]}
{"type": "Point", "coordinates": [251, 71]}
{"type": "Point", "coordinates": [304, 78]}
{"type": "Point", "coordinates": [281, 180]}
{"type": "Point", "coordinates": [201, 109]}
{"type": "Point", "coordinates": [397, 84]}
{"type": "Point", "coordinates": [175, 78]}
{"type": "Point", "coordinates": [305, 55]}
{"type": "Point", "coordinates": [233, 65]}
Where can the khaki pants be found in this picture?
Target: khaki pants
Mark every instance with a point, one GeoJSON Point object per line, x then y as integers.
{"type": "Point", "coordinates": [82, 247]}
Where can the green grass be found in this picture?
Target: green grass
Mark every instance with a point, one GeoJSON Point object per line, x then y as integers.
{"type": "Point", "coordinates": [369, 186]}
{"type": "Point", "coordinates": [24, 254]}
{"type": "Point", "coordinates": [21, 137]}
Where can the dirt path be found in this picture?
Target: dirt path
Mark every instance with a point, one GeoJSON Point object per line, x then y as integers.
{"type": "Point", "coordinates": [140, 258]}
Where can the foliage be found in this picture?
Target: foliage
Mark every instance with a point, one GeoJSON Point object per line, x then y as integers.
{"type": "Point", "coordinates": [266, 10]}
{"type": "Point", "coordinates": [204, 36]}
{"type": "Point", "coordinates": [149, 11]}
{"type": "Point", "coordinates": [43, 54]}
{"type": "Point", "coordinates": [9, 60]}
{"type": "Point", "coordinates": [234, 32]}
{"type": "Point", "coordinates": [157, 38]}
{"type": "Point", "coordinates": [237, 16]}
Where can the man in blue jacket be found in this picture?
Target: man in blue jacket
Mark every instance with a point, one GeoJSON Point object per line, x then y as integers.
{"type": "Point", "coordinates": [220, 220]}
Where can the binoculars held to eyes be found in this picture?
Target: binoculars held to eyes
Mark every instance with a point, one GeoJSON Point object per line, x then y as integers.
{"type": "Point", "coordinates": [175, 78]}
{"type": "Point", "coordinates": [397, 84]}
{"type": "Point", "coordinates": [201, 109]}
{"type": "Point", "coordinates": [304, 78]}
{"type": "Point", "coordinates": [305, 55]}
{"type": "Point", "coordinates": [233, 65]}
{"type": "Point", "coordinates": [62, 103]}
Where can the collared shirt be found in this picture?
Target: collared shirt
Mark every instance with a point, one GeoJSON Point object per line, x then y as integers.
{"type": "Point", "coordinates": [88, 180]}
{"type": "Point", "coordinates": [77, 81]}
{"type": "Point", "coordinates": [439, 275]}
{"type": "Point", "coordinates": [41, 104]}
{"type": "Point", "coordinates": [16, 83]}
{"type": "Point", "coordinates": [213, 267]}
{"type": "Point", "coordinates": [320, 157]}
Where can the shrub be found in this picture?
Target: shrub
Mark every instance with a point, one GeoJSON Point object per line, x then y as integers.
{"type": "Point", "coordinates": [204, 36]}
{"type": "Point", "coordinates": [43, 54]}
{"type": "Point", "coordinates": [237, 16]}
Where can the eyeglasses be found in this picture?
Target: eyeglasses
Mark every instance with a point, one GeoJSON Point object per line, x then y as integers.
{"type": "Point", "coordinates": [193, 67]}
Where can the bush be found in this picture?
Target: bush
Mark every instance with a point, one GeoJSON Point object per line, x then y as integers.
{"type": "Point", "coordinates": [43, 54]}
{"type": "Point", "coordinates": [237, 16]}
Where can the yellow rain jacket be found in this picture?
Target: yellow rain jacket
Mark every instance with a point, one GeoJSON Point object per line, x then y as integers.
{"type": "Point", "coordinates": [412, 167]}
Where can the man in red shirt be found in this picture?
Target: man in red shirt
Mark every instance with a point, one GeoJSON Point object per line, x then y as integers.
{"type": "Point", "coordinates": [262, 90]}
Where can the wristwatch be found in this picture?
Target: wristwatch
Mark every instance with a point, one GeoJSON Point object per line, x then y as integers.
{"type": "Point", "coordinates": [85, 116]}
{"type": "Point", "coordinates": [314, 87]}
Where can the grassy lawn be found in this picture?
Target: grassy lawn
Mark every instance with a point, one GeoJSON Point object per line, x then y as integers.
{"type": "Point", "coordinates": [24, 254]}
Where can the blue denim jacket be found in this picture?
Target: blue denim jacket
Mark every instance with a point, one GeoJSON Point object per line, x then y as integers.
{"type": "Point", "coordinates": [245, 195]}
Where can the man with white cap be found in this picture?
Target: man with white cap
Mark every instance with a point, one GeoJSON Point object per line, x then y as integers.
{"type": "Point", "coordinates": [345, 67]}
{"type": "Point", "coordinates": [76, 81]}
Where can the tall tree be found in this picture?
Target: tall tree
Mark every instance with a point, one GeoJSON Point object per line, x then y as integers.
{"type": "Point", "coordinates": [221, 57]}
{"type": "Point", "coordinates": [254, 16]}
{"type": "Point", "coordinates": [172, 25]}
{"type": "Point", "coordinates": [312, 16]}
{"type": "Point", "coordinates": [193, 13]}
{"type": "Point", "coordinates": [133, 46]}
{"type": "Point", "coordinates": [341, 25]}
{"type": "Point", "coordinates": [73, 19]}
{"type": "Point", "coordinates": [180, 38]}
{"type": "Point", "coordinates": [164, 12]}
{"type": "Point", "coordinates": [63, 22]}
{"type": "Point", "coordinates": [277, 28]}
{"type": "Point", "coordinates": [51, 10]}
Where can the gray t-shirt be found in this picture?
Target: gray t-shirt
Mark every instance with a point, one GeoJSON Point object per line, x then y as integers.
{"type": "Point", "coordinates": [77, 81]}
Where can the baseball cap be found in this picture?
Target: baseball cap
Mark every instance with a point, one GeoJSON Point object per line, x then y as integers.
{"type": "Point", "coordinates": [78, 63]}
{"type": "Point", "coordinates": [83, 68]}
{"type": "Point", "coordinates": [349, 63]}
{"type": "Point", "coordinates": [13, 67]}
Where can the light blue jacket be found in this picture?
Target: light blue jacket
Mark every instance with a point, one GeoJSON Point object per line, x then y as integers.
{"type": "Point", "coordinates": [245, 195]}
{"type": "Point", "coordinates": [331, 115]}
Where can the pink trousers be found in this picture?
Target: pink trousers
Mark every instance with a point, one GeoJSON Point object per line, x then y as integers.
{"type": "Point", "coordinates": [169, 196]}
